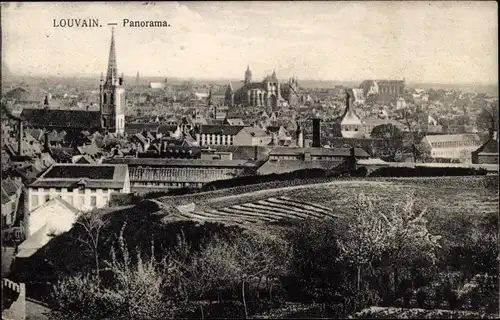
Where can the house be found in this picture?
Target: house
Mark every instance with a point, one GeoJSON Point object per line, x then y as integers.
{"type": "Point", "coordinates": [234, 122]}
{"type": "Point", "coordinates": [11, 193]}
{"type": "Point", "coordinates": [216, 134]}
{"type": "Point", "coordinates": [252, 136]}
{"type": "Point", "coordinates": [85, 186]}
{"type": "Point", "coordinates": [307, 154]}
{"type": "Point", "coordinates": [58, 212]}
{"type": "Point", "coordinates": [488, 152]}
{"type": "Point", "coordinates": [452, 147]}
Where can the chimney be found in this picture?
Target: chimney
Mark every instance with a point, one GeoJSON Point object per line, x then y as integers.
{"type": "Point", "coordinates": [255, 153]}
{"type": "Point", "coordinates": [300, 139]}
{"type": "Point", "coordinates": [46, 145]}
{"type": "Point", "coordinates": [20, 139]}
{"type": "Point", "coordinates": [316, 133]}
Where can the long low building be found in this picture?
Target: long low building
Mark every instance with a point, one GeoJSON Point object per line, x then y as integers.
{"type": "Point", "coordinates": [163, 174]}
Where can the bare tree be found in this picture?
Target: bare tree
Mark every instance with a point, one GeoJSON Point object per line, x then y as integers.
{"type": "Point", "coordinates": [92, 223]}
{"type": "Point", "coordinates": [365, 240]}
{"type": "Point", "coordinates": [134, 289]}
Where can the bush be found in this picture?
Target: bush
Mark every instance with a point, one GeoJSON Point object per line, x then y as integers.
{"type": "Point", "coordinates": [248, 180]}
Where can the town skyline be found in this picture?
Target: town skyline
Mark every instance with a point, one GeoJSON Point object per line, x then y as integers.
{"type": "Point", "coordinates": [308, 51]}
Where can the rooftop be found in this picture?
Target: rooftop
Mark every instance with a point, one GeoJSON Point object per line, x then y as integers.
{"type": "Point", "coordinates": [90, 175]}
{"type": "Point", "coordinates": [80, 119]}
{"type": "Point", "coordinates": [179, 162]}
{"type": "Point", "coordinates": [334, 152]}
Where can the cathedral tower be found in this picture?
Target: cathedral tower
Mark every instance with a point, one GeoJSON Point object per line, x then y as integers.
{"type": "Point", "coordinates": [112, 95]}
{"type": "Point", "coordinates": [248, 76]}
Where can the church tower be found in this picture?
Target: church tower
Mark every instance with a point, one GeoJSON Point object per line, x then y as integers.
{"type": "Point", "coordinates": [112, 95]}
{"type": "Point", "coordinates": [248, 76]}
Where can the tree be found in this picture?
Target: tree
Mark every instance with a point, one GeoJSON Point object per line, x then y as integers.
{"type": "Point", "coordinates": [386, 131]}
{"type": "Point", "coordinates": [391, 141]}
{"type": "Point", "coordinates": [131, 290]}
{"type": "Point", "coordinates": [407, 237]}
{"type": "Point", "coordinates": [487, 119]}
{"type": "Point", "coordinates": [365, 240]}
{"type": "Point", "coordinates": [92, 224]}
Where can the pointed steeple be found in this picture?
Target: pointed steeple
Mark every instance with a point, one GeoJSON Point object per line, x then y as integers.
{"type": "Point", "coordinates": [112, 68]}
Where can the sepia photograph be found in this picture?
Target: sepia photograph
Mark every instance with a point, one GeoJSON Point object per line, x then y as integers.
{"type": "Point", "coordinates": [249, 160]}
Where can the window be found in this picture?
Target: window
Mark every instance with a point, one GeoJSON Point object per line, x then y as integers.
{"type": "Point", "coordinates": [41, 189]}
{"type": "Point", "coordinates": [105, 200]}
{"type": "Point", "coordinates": [34, 200]}
{"type": "Point", "coordinates": [47, 198]}
{"type": "Point", "coordinates": [93, 201]}
{"type": "Point", "coordinates": [93, 190]}
{"type": "Point", "coordinates": [70, 189]}
{"type": "Point", "coordinates": [117, 190]}
{"type": "Point", "coordinates": [82, 200]}
{"type": "Point", "coordinates": [81, 191]}
{"type": "Point", "coordinates": [70, 200]}
{"type": "Point", "coordinates": [13, 206]}
{"type": "Point", "coordinates": [105, 190]}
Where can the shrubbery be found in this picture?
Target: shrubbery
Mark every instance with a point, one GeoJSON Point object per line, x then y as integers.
{"type": "Point", "coordinates": [421, 171]}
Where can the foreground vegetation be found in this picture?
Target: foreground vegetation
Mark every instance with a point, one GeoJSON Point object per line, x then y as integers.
{"type": "Point", "coordinates": [386, 250]}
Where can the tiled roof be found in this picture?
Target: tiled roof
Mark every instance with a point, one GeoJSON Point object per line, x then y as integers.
{"type": "Point", "coordinates": [179, 162]}
{"type": "Point", "coordinates": [283, 166]}
{"type": "Point", "coordinates": [334, 152]}
{"type": "Point", "coordinates": [94, 176]}
{"type": "Point", "coordinates": [255, 132]}
{"type": "Point", "coordinates": [166, 128]}
{"type": "Point", "coordinates": [135, 127]}
{"type": "Point", "coordinates": [5, 197]}
{"type": "Point", "coordinates": [245, 152]}
{"type": "Point", "coordinates": [219, 129]}
{"type": "Point", "coordinates": [490, 146]}
{"type": "Point", "coordinates": [452, 137]}
{"type": "Point", "coordinates": [80, 119]}
{"type": "Point", "coordinates": [10, 187]}
{"type": "Point", "coordinates": [235, 122]}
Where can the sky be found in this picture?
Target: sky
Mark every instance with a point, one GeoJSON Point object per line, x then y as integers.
{"type": "Point", "coordinates": [437, 42]}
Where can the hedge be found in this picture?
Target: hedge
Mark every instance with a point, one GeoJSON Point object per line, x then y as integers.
{"type": "Point", "coordinates": [425, 172]}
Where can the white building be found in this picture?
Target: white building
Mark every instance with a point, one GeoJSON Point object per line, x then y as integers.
{"type": "Point", "coordinates": [84, 186]}
{"type": "Point", "coordinates": [458, 147]}
{"type": "Point", "coordinates": [60, 214]}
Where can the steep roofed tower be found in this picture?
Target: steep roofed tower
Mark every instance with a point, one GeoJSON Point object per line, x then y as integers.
{"type": "Point", "coordinates": [112, 95]}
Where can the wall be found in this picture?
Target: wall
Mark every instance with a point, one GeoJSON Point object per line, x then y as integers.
{"type": "Point", "coordinates": [55, 212]}
{"type": "Point", "coordinates": [487, 159]}
{"type": "Point", "coordinates": [73, 197]}
{"type": "Point", "coordinates": [17, 310]}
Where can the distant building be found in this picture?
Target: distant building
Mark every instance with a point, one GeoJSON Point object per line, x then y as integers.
{"type": "Point", "coordinates": [452, 147]}
{"type": "Point", "coordinates": [84, 186]}
{"type": "Point", "coordinates": [488, 152]}
{"type": "Point", "coordinates": [393, 88]}
{"type": "Point", "coordinates": [231, 135]}
{"type": "Point", "coordinates": [112, 104]}
{"type": "Point", "coordinates": [269, 93]}
{"type": "Point", "coordinates": [163, 174]}
{"type": "Point", "coordinates": [156, 85]}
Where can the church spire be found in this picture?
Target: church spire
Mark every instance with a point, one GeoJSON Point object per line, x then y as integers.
{"type": "Point", "coordinates": [112, 68]}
